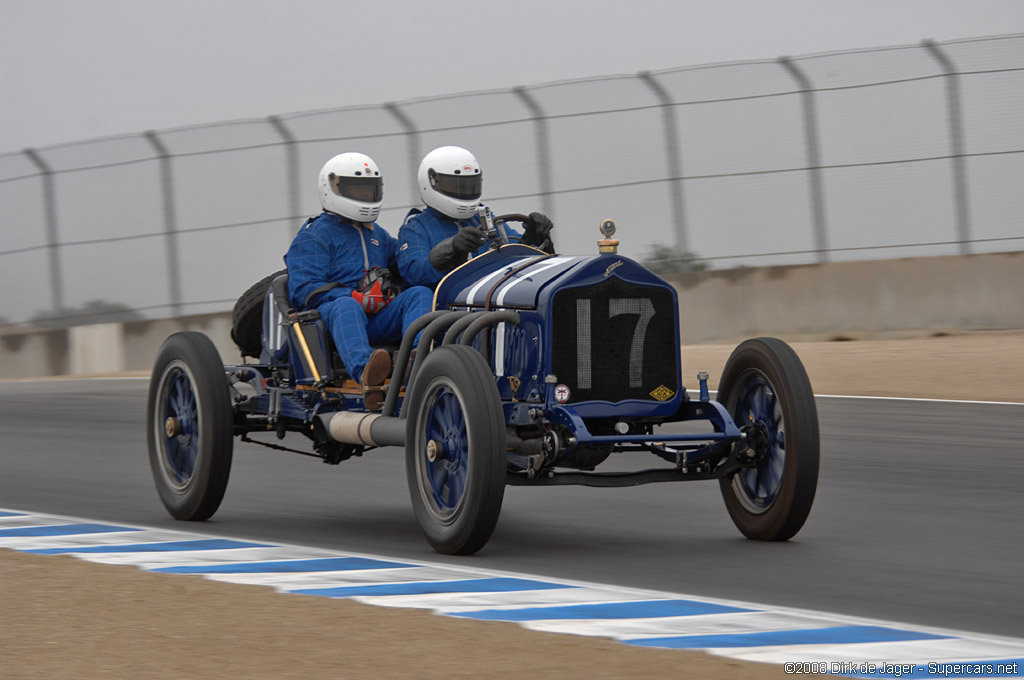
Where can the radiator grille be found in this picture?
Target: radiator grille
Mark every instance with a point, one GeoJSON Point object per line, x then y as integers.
{"type": "Point", "coordinates": [615, 340]}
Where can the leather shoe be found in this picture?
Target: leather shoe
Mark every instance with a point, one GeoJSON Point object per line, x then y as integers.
{"type": "Point", "coordinates": [375, 373]}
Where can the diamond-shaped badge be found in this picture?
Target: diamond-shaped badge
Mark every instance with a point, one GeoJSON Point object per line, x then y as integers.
{"type": "Point", "coordinates": [662, 393]}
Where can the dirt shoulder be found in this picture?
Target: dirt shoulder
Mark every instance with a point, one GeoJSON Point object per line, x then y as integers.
{"type": "Point", "coordinates": [973, 366]}
{"type": "Point", "coordinates": [64, 618]}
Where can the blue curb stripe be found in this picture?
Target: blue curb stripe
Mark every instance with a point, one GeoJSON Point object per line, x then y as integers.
{"type": "Point", "coordinates": [287, 566]}
{"type": "Point", "coordinates": [810, 636]}
{"type": "Point", "coordinates": [957, 669]}
{"type": "Point", "coordinates": [478, 585]}
{"type": "Point", "coordinates": [616, 610]}
{"type": "Point", "coordinates": [63, 530]}
{"type": "Point", "coordinates": [204, 544]}
{"type": "Point", "coordinates": [4, 513]}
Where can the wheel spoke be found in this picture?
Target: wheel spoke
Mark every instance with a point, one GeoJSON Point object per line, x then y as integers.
{"type": "Point", "coordinates": [171, 403]}
{"type": "Point", "coordinates": [175, 454]}
{"type": "Point", "coordinates": [760, 490]}
{"type": "Point", "coordinates": [457, 480]}
{"type": "Point", "coordinates": [189, 463]}
{"type": "Point", "coordinates": [439, 480]}
{"type": "Point", "coordinates": [749, 478]}
{"type": "Point", "coordinates": [172, 452]}
{"type": "Point", "coordinates": [180, 403]}
{"type": "Point", "coordinates": [447, 411]}
{"type": "Point", "coordinates": [764, 407]}
{"type": "Point", "coordinates": [773, 474]}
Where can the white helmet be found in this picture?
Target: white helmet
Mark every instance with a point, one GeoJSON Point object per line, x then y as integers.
{"type": "Point", "coordinates": [450, 181]}
{"type": "Point", "coordinates": [350, 185]}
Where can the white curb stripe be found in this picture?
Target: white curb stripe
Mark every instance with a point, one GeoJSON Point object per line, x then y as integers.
{"type": "Point", "coordinates": [538, 601]}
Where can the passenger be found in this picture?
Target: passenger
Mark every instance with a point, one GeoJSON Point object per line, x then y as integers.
{"type": "Point", "coordinates": [444, 234]}
{"type": "Point", "coordinates": [339, 264]}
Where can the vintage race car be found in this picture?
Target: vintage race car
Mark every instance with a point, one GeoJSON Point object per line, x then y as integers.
{"type": "Point", "coordinates": [533, 369]}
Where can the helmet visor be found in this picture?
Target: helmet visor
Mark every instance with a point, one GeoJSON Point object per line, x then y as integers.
{"type": "Point", "coordinates": [362, 189]}
{"type": "Point", "coordinates": [461, 187]}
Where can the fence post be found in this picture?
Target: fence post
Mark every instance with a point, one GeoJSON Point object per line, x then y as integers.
{"type": "Point", "coordinates": [543, 149]}
{"type": "Point", "coordinates": [292, 160]}
{"type": "Point", "coordinates": [813, 158]}
{"type": "Point", "coordinates": [675, 166]}
{"type": "Point", "coordinates": [50, 209]}
{"type": "Point", "coordinates": [956, 144]}
{"type": "Point", "coordinates": [413, 135]}
{"type": "Point", "coordinates": [170, 221]}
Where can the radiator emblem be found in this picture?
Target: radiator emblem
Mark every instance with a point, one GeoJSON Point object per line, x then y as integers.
{"type": "Point", "coordinates": [662, 393]}
{"type": "Point", "coordinates": [612, 267]}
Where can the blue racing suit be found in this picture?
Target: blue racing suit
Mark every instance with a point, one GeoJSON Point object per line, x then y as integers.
{"type": "Point", "coordinates": [330, 249]}
{"type": "Point", "coordinates": [418, 236]}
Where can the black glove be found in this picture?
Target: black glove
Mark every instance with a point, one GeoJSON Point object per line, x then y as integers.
{"type": "Point", "coordinates": [537, 229]}
{"type": "Point", "coordinates": [468, 240]}
{"type": "Point", "coordinates": [452, 251]}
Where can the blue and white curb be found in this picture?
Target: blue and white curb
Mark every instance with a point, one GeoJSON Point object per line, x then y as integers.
{"type": "Point", "coordinates": [802, 640]}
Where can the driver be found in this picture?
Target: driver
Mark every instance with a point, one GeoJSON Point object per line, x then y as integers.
{"type": "Point", "coordinates": [443, 235]}
{"type": "Point", "coordinates": [338, 264]}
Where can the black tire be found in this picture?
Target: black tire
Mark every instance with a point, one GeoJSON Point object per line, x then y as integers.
{"type": "Point", "coordinates": [765, 383]}
{"type": "Point", "coordinates": [457, 497]}
{"type": "Point", "coordinates": [247, 317]}
{"type": "Point", "coordinates": [189, 426]}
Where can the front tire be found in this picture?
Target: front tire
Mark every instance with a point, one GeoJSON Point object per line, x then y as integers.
{"type": "Point", "coordinates": [455, 450]}
{"type": "Point", "coordinates": [765, 388]}
{"type": "Point", "coordinates": [189, 426]}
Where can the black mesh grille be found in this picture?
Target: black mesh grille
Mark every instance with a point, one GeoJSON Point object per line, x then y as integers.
{"type": "Point", "coordinates": [615, 340]}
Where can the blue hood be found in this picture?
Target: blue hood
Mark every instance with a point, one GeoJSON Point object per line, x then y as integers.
{"type": "Point", "coordinates": [520, 277]}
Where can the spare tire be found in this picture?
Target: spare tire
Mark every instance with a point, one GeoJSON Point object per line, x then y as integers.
{"type": "Point", "coordinates": [247, 317]}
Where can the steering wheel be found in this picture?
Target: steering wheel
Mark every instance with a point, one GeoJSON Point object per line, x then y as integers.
{"type": "Point", "coordinates": [500, 238]}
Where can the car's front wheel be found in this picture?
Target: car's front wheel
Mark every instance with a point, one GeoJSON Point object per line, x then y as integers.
{"type": "Point", "coordinates": [766, 390]}
{"type": "Point", "coordinates": [455, 450]}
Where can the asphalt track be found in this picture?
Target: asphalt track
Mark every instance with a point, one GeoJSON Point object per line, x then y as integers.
{"type": "Point", "coordinates": [917, 517]}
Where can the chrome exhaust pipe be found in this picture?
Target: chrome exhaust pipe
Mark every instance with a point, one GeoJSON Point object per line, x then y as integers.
{"type": "Point", "coordinates": [368, 429]}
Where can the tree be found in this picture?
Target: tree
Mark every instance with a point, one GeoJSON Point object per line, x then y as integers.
{"type": "Point", "coordinates": [662, 259]}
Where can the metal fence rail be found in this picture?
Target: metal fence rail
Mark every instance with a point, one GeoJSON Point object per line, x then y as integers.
{"type": "Point", "coordinates": [902, 151]}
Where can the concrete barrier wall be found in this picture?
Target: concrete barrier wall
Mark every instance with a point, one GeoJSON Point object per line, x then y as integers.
{"type": "Point", "coordinates": [869, 299]}
{"type": "Point", "coordinates": [105, 348]}
{"type": "Point", "coordinates": [861, 300]}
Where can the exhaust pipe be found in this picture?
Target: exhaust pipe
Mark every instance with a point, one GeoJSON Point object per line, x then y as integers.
{"type": "Point", "coordinates": [369, 429]}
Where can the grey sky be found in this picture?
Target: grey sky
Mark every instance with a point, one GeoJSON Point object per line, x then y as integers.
{"type": "Point", "coordinates": [77, 69]}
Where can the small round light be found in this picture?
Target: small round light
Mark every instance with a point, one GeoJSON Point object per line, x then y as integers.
{"type": "Point", "coordinates": [562, 393]}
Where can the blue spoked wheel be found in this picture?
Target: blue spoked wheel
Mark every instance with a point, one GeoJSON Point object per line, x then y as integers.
{"type": "Point", "coordinates": [766, 390]}
{"type": "Point", "coordinates": [455, 450]}
{"type": "Point", "coordinates": [189, 426]}
{"type": "Point", "coordinates": [447, 453]}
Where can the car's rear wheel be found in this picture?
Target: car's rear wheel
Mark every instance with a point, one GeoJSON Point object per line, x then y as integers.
{"type": "Point", "coordinates": [766, 390]}
{"type": "Point", "coordinates": [189, 426]}
{"type": "Point", "coordinates": [455, 450]}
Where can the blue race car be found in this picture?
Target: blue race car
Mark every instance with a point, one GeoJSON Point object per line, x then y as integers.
{"type": "Point", "coordinates": [533, 369]}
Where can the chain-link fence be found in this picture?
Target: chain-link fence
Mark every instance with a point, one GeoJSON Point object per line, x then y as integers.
{"type": "Point", "coordinates": [904, 151]}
